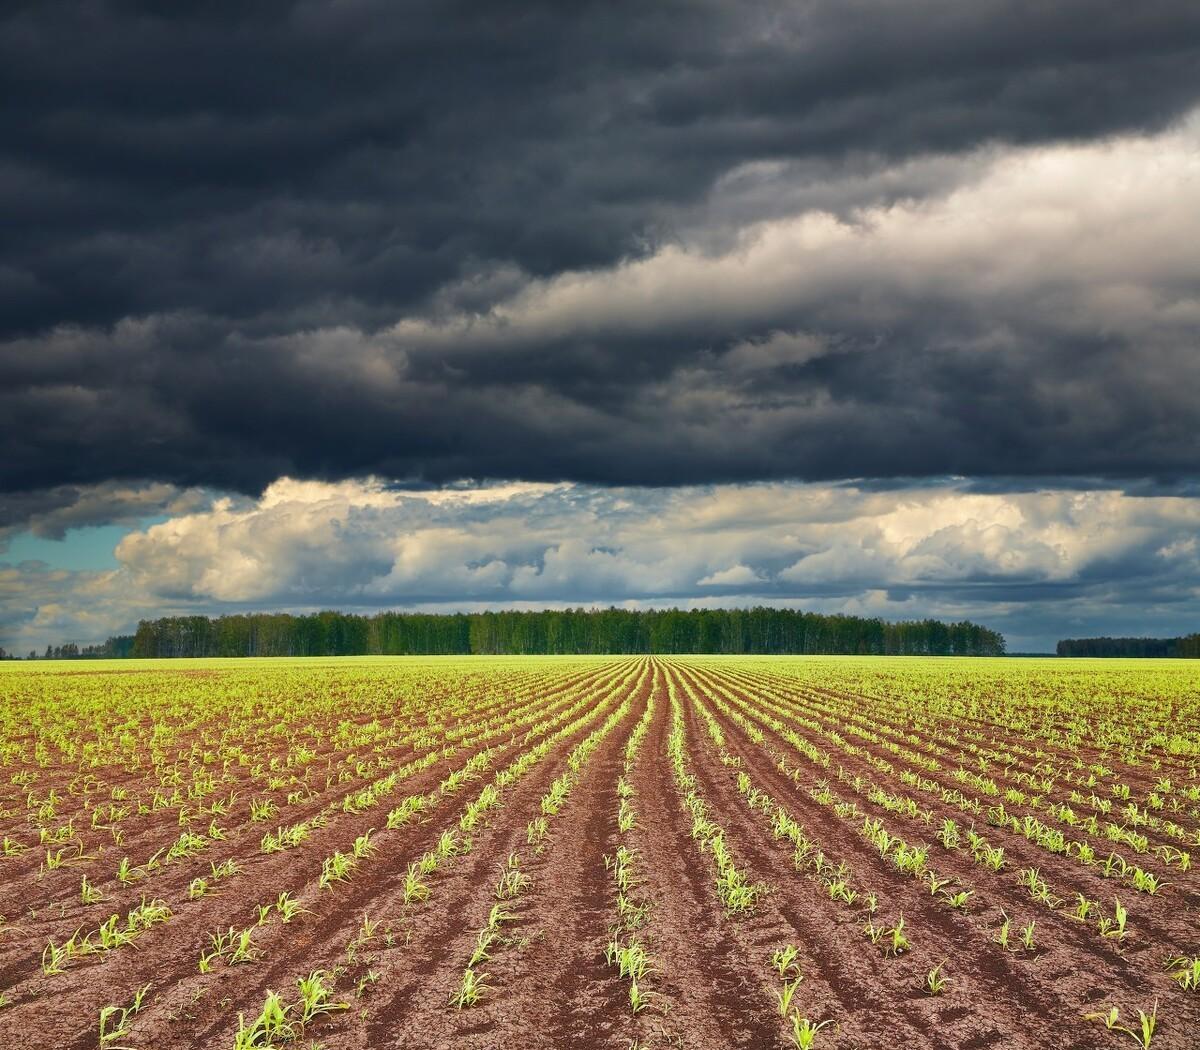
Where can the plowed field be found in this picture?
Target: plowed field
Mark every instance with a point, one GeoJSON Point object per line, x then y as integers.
{"type": "Point", "coordinates": [600, 852]}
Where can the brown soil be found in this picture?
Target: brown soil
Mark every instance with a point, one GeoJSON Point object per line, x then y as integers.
{"type": "Point", "coordinates": [548, 984]}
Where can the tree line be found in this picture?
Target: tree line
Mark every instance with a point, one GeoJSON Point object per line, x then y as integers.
{"type": "Point", "coordinates": [1188, 646]}
{"type": "Point", "coordinates": [118, 647]}
{"type": "Point", "coordinates": [567, 631]}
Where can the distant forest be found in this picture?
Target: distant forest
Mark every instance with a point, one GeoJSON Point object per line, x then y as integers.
{"type": "Point", "coordinates": [577, 631]}
{"type": "Point", "coordinates": [1188, 646]}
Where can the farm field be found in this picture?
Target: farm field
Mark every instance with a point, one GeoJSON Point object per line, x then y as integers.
{"type": "Point", "coordinates": [600, 852]}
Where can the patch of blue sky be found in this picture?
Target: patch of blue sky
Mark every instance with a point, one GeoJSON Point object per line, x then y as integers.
{"type": "Point", "coordinates": [91, 548]}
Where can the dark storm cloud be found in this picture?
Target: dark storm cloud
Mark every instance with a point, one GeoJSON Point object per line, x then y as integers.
{"type": "Point", "coordinates": [251, 240]}
{"type": "Point", "coordinates": [49, 513]}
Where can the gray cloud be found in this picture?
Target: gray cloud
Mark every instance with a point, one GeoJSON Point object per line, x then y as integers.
{"type": "Point", "coordinates": [329, 240]}
{"type": "Point", "coordinates": [50, 513]}
{"type": "Point", "coordinates": [1012, 324]}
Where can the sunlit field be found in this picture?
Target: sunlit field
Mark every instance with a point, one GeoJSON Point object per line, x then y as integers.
{"type": "Point", "coordinates": [601, 852]}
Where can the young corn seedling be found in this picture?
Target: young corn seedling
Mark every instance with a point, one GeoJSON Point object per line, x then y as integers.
{"type": "Point", "coordinates": [316, 997]}
{"type": "Point", "coordinates": [224, 869]}
{"type": "Point", "coordinates": [839, 890]}
{"type": "Point", "coordinates": [407, 809]}
{"type": "Point", "coordinates": [787, 993]}
{"type": "Point", "coordinates": [262, 809]}
{"type": "Point", "coordinates": [536, 833]}
{"type": "Point", "coordinates": [470, 989]}
{"type": "Point", "coordinates": [1027, 940]}
{"type": "Point", "coordinates": [1032, 879]}
{"type": "Point", "coordinates": [366, 932]}
{"type": "Point", "coordinates": [336, 869]}
{"type": "Point", "coordinates": [804, 1031]}
{"type": "Point", "coordinates": [414, 888]}
{"type": "Point", "coordinates": [1185, 972]}
{"type": "Point", "coordinates": [449, 845]}
{"type": "Point", "coordinates": [935, 884]}
{"type": "Point", "coordinates": [270, 1027]}
{"type": "Point", "coordinates": [784, 960]}
{"type": "Point", "coordinates": [638, 1000]}
{"type": "Point", "coordinates": [1114, 928]}
{"type": "Point", "coordinates": [512, 880]}
{"type": "Point", "coordinates": [288, 908]}
{"type": "Point", "coordinates": [498, 915]}
{"type": "Point", "coordinates": [948, 836]}
{"type": "Point", "coordinates": [935, 980]}
{"type": "Point", "coordinates": [88, 893]}
{"type": "Point", "coordinates": [631, 959]}
{"type": "Point", "coordinates": [145, 915]}
{"type": "Point", "coordinates": [483, 943]}
{"type": "Point", "coordinates": [242, 948]}
{"type": "Point", "coordinates": [993, 858]}
{"type": "Point", "coordinates": [897, 943]}
{"type": "Point", "coordinates": [1115, 866]}
{"type": "Point", "coordinates": [1142, 1035]}
{"type": "Point", "coordinates": [633, 914]}
{"type": "Point", "coordinates": [1145, 881]}
{"type": "Point", "coordinates": [1083, 908]}
{"type": "Point", "coordinates": [55, 957]}
{"type": "Point", "coordinates": [111, 935]}
{"type": "Point", "coordinates": [625, 816]}
{"type": "Point", "coordinates": [115, 1020]}
{"type": "Point", "coordinates": [1002, 933]}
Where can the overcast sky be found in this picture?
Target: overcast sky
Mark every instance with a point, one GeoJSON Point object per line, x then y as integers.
{"type": "Point", "coordinates": [880, 307]}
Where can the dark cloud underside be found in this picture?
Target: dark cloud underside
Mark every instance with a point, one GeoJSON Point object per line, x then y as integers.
{"type": "Point", "coordinates": [215, 215]}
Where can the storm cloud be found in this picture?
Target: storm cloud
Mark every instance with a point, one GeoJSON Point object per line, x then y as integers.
{"type": "Point", "coordinates": [888, 308]}
{"type": "Point", "coordinates": [620, 244]}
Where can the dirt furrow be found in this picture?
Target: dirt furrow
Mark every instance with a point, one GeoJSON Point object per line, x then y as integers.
{"type": "Point", "coordinates": [173, 948]}
{"type": "Point", "coordinates": [1062, 991]}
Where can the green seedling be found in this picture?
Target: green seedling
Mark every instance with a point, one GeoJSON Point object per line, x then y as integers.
{"type": "Point", "coordinates": [1114, 928]}
{"type": "Point", "coordinates": [270, 1027]}
{"type": "Point", "coordinates": [316, 997]}
{"type": "Point", "coordinates": [1002, 933]}
{"type": "Point", "coordinates": [786, 993]}
{"type": "Point", "coordinates": [470, 989]}
{"type": "Point", "coordinates": [288, 908]}
{"type": "Point", "coordinates": [1142, 1035]}
{"type": "Point", "coordinates": [88, 893]}
{"type": "Point", "coordinates": [784, 960]}
{"type": "Point", "coordinates": [804, 1031]}
{"type": "Point", "coordinates": [1185, 972]}
{"type": "Point", "coordinates": [935, 980]}
{"type": "Point", "coordinates": [637, 999]}
{"type": "Point", "coordinates": [897, 941]}
{"type": "Point", "coordinates": [115, 1020]}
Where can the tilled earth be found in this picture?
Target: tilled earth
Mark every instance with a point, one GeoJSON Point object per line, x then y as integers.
{"type": "Point", "coordinates": [396, 964]}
